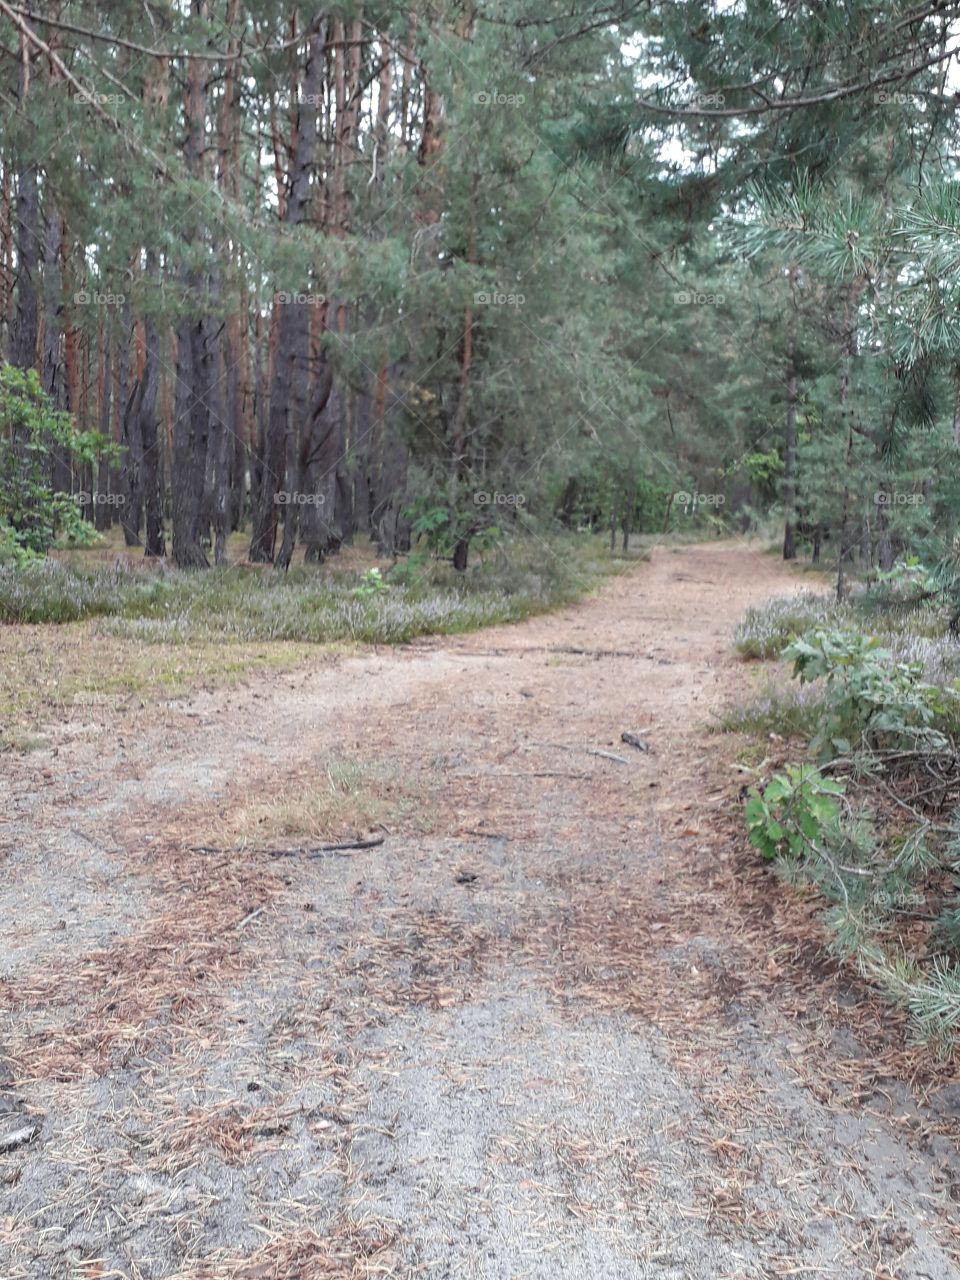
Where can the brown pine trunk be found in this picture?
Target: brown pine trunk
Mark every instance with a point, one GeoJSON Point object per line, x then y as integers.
{"type": "Point", "coordinates": [790, 470]}
{"type": "Point", "coordinates": [288, 392]}
{"type": "Point", "coordinates": [6, 259]}
{"type": "Point", "coordinates": [27, 320]}
{"type": "Point", "coordinates": [151, 439]}
{"type": "Point", "coordinates": [103, 511]}
{"type": "Point", "coordinates": [848, 351]}
{"type": "Point", "coordinates": [191, 429]}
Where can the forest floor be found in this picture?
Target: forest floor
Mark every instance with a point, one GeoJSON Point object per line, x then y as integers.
{"type": "Point", "coordinates": [560, 1023]}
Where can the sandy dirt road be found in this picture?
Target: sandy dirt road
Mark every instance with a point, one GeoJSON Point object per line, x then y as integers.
{"type": "Point", "coordinates": [557, 1025]}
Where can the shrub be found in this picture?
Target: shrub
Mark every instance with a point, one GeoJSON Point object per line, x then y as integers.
{"type": "Point", "coordinates": [32, 514]}
{"type": "Point", "coordinates": [881, 870]}
{"type": "Point", "coordinates": [870, 701]}
{"type": "Point", "coordinates": [796, 808]}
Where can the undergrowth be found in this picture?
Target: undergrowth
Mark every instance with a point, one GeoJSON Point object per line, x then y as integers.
{"type": "Point", "coordinates": [869, 815]}
{"type": "Point", "coordinates": [155, 604]}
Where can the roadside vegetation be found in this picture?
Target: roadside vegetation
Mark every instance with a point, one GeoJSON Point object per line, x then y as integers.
{"type": "Point", "coordinates": [92, 628]}
{"type": "Point", "coordinates": [857, 794]}
{"type": "Point", "coordinates": [363, 600]}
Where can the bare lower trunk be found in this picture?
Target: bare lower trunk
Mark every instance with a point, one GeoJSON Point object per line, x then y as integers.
{"type": "Point", "coordinates": [790, 471]}
{"type": "Point", "coordinates": [288, 391]}
{"type": "Point", "coordinates": [884, 543]}
{"type": "Point", "coordinates": [191, 428]}
{"type": "Point", "coordinates": [190, 444]}
{"type": "Point", "coordinates": [102, 511]}
{"type": "Point", "coordinates": [27, 321]}
{"type": "Point", "coordinates": [151, 442]}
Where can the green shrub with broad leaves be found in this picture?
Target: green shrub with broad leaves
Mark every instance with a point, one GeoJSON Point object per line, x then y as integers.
{"type": "Point", "coordinates": [33, 515]}
{"type": "Point", "coordinates": [870, 701]}
{"type": "Point", "coordinates": [869, 826]}
{"type": "Point", "coordinates": [792, 812]}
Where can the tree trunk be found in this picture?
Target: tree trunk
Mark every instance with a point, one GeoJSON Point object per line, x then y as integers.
{"type": "Point", "coordinates": [790, 470]}
{"type": "Point", "coordinates": [6, 260]}
{"type": "Point", "coordinates": [102, 511]}
{"type": "Point", "coordinates": [288, 392]}
{"type": "Point", "coordinates": [848, 350]}
{"type": "Point", "coordinates": [151, 442]}
{"type": "Point", "coordinates": [26, 326]}
{"type": "Point", "coordinates": [51, 372]}
{"type": "Point", "coordinates": [884, 544]}
{"type": "Point", "coordinates": [191, 428]}
{"type": "Point", "coordinates": [844, 550]}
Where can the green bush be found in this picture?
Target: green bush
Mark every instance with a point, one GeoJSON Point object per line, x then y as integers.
{"type": "Point", "coordinates": [32, 514]}
{"type": "Point", "coordinates": [870, 701]}
{"type": "Point", "coordinates": [794, 810]}
{"type": "Point", "coordinates": [879, 721]}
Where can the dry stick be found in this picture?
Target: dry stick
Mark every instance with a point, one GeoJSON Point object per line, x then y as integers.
{"type": "Point", "coordinates": [18, 1138]}
{"type": "Point", "coordinates": [292, 853]}
{"type": "Point", "coordinates": [591, 751]}
{"type": "Point", "coordinates": [352, 844]}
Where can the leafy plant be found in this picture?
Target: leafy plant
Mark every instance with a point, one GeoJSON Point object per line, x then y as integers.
{"type": "Point", "coordinates": [371, 584]}
{"type": "Point", "coordinates": [444, 529]}
{"type": "Point", "coordinates": [32, 514]}
{"type": "Point", "coordinates": [793, 811]}
{"type": "Point", "coordinates": [871, 701]}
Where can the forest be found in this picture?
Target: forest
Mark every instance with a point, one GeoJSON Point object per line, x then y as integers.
{"type": "Point", "coordinates": [479, 639]}
{"type": "Point", "coordinates": [313, 276]}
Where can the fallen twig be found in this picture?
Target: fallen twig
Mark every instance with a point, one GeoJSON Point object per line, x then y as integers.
{"type": "Point", "coordinates": [18, 1138]}
{"type": "Point", "coordinates": [607, 755]}
{"type": "Point", "coordinates": [298, 851]}
{"type": "Point", "coordinates": [343, 848]}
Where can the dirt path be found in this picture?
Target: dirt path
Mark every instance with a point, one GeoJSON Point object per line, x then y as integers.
{"type": "Point", "coordinates": [556, 1025]}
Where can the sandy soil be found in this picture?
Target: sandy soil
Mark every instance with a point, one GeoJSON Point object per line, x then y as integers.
{"type": "Point", "coordinates": [559, 1024]}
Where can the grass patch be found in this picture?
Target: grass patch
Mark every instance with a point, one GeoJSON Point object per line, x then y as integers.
{"type": "Point", "coordinates": [157, 605]}
{"type": "Point", "coordinates": [21, 741]}
{"type": "Point", "coordinates": [350, 799]}
{"type": "Point", "coordinates": [128, 633]}
{"type": "Point", "coordinates": [73, 673]}
{"type": "Point", "coordinates": [789, 711]}
{"type": "Point", "coordinates": [767, 629]}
